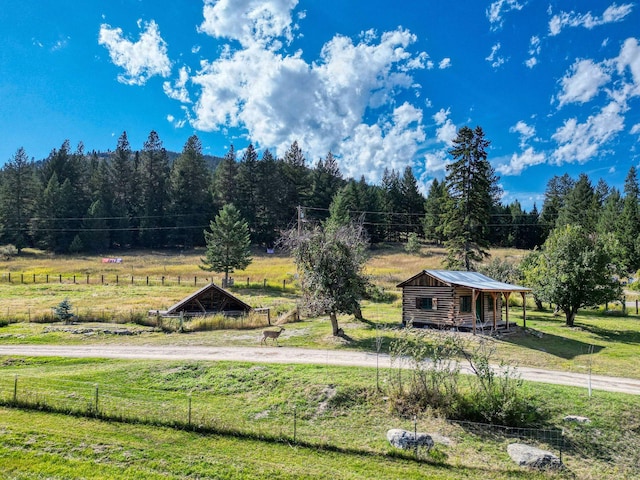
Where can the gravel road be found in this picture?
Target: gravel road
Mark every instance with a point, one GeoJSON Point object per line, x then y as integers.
{"type": "Point", "coordinates": [295, 355]}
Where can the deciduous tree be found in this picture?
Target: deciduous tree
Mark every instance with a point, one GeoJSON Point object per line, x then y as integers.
{"type": "Point", "coordinates": [576, 269]}
{"type": "Point", "coordinates": [330, 263]}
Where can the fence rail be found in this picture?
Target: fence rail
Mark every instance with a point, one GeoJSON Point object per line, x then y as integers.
{"type": "Point", "coordinates": [132, 279]}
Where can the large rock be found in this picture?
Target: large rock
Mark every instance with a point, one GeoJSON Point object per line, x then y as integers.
{"type": "Point", "coordinates": [408, 440]}
{"type": "Point", "coordinates": [527, 456]}
{"type": "Point", "coordinates": [576, 419]}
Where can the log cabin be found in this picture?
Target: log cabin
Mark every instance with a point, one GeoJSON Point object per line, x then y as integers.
{"type": "Point", "coordinates": [457, 300]}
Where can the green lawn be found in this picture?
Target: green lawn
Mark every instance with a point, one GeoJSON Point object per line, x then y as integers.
{"type": "Point", "coordinates": [340, 425]}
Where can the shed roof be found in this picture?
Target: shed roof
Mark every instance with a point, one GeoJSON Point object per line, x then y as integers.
{"type": "Point", "coordinates": [473, 280]}
{"type": "Point", "coordinates": [182, 303]}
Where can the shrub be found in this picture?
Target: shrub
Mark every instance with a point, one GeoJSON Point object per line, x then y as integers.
{"type": "Point", "coordinates": [494, 395]}
{"type": "Point", "coordinates": [413, 244]}
{"type": "Point", "coordinates": [7, 252]}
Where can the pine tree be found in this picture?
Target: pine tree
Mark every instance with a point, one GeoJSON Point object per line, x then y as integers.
{"type": "Point", "coordinates": [554, 199]}
{"type": "Point", "coordinates": [125, 186]}
{"type": "Point", "coordinates": [95, 228]}
{"type": "Point", "coordinates": [191, 199]}
{"type": "Point", "coordinates": [578, 207]}
{"type": "Point", "coordinates": [412, 201]}
{"type": "Point", "coordinates": [434, 209]}
{"type": "Point", "coordinates": [154, 179]}
{"type": "Point", "coordinates": [269, 205]}
{"type": "Point", "coordinates": [18, 190]}
{"type": "Point", "coordinates": [228, 243]}
{"type": "Point", "coordinates": [630, 233]}
{"type": "Point", "coordinates": [224, 179]}
{"type": "Point", "coordinates": [472, 188]}
{"type": "Point", "coordinates": [392, 203]}
{"type": "Point", "coordinates": [326, 180]}
{"type": "Point", "coordinates": [246, 185]}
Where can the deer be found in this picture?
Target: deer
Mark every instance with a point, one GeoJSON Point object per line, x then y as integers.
{"type": "Point", "coordinates": [271, 334]}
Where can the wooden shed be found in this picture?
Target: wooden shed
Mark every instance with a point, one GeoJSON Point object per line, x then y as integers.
{"type": "Point", "coordinates": [209, 300]}
{"type": "Point", "coordinates": [453, 299]}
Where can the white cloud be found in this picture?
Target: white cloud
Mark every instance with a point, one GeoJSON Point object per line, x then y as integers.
{"type": "Point", "coordinates": [534, 51]}
{"type": "Point", "coordinates": [612, 14]}
{"type": "Point", "coordinates": [495, 59]}
{"type": "Point", "coordinates": [179, 90]}
{"type": "Point", "coordinates": [583, 82]}
{"type": "Point", "coordinates": [519, 162]}
{"type": "Point", "coordinates": [140, 60]}
{"type": "Point", "coordinates": [526, 132]}
{"type": "Point", "coordinates": [635, 129]}
{"type": "Point", "coordinates": [630, 58]}
{"type": "Point", "coordinates": [446, 130]}
{"type": "Point", "coordinates": [579, 142]}
{"type": "Point", "coordinates": [249, 21]}
{"type": "Point", "coordinates": [444, 63]}
{"type": "Point", "coordinates": [170, 118]}
{"type": "Point", "coordinates": [497, 9]}
{"type": "Point", "coordinates": [281, 98]}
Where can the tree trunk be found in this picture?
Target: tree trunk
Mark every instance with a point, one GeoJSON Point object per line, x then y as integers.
{"type": "Point", "coordinates": [571, 316]}
{"type": "Point", "coordinates": [538, 302]}
{"type": "Point", "coordinates": [358, 313]}
{"type": "Point", "coordinates": [334, 324]}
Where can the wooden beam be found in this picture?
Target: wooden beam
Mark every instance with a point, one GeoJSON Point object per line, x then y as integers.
{"type": "Point", "coordinates": [506, 296]}
{"type": "Point", "coordinates": [474, 297]}
{"type": "Point", "coordinates": [200, 305]}
{"type": "Point", "coordinates": [494, 296]}
{"type": "Point", "coordinates": [524, 309]}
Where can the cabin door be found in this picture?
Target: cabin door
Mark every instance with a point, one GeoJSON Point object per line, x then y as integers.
{"type": "Point", "coordinates": [479, 308]}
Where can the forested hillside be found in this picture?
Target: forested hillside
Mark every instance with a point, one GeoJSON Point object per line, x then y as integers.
{"type": "Point", "coordinates": [75, 201]}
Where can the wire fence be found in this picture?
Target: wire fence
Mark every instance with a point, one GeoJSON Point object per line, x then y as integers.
{"type": "Point", "coordinates": [224, 414]}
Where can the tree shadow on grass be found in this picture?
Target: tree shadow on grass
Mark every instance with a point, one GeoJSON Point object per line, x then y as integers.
{"type": "Point", "coordinates": [556, 345]}
{"type": "Point", "coordinates": [631, 337]}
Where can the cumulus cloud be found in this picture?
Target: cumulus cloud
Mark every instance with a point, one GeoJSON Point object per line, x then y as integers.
{"type": "Point", "coordinates": [178, 91]}
{"type": "Point", "coordinates": [140, 60]}
{"type": "Point", "coordinates": [280, 98]}
{"type": "Point", "coordinates": [521, 161]}
{"type": "Point", "coordinates": [498, 9]}
{"type": "Point", "coordinates": [446, 130]}
{"type": "Point", "coordinates": [635, 129]}
{"type": "Point", "coordinates": [579, 142]}
{"type": "Point", "coordinates": [613, 13]}
{"type": "Point", "coordinates": [526, 132]}
{"type": "Point", "coordinates": [583, 82]}
{"type": "Point", "coordinates": [630, 58]}
{"type": "Point", "coordinates": [249, 21]}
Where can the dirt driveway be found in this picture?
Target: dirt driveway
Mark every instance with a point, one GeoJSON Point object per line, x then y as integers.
{"type": "Point", "coordinates": [295, 355]}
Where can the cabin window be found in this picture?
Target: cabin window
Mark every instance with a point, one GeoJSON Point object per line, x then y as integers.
{"type": "Point", "coordinates": [426, 303]}
{"type": "Point", "coordinates": [465, 304]}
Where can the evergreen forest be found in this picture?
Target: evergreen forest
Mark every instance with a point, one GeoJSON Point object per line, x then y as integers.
{"type": "Point", "coordinates": [78, 201]}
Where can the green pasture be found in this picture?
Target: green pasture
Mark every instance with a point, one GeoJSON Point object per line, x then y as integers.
{"type": "Point", "coordinates": [242, 421]}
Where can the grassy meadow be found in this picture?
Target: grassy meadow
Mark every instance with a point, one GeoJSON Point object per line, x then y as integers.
{"type": "Point", "coordinates": [341, 419]}
{"type": "Point", "coordinates": [242, 425]}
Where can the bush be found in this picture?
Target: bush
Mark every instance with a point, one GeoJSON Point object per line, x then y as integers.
{"type": "Point", "coordinates": [493, 396]}
{"type": "Point", "coordinates": [413, 244]}
{"type": "Point", "coordinates": [7, 252]}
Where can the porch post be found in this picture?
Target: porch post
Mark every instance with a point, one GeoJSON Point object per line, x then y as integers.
{"type": "Point", "coordinates": [524, 309]}
{"type": "Point", "coordinates": [506, 296]}
{"type": "Point", "coordinates": [473, 308]}
{"type": "Point", "coordinates": [494, 297]}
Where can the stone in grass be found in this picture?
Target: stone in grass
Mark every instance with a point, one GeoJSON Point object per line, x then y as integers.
{"type": "Point", "coordinates": [408, 440]}
{"type": "Point", "coordinates": [532, 457]}
{"type": "Point", "coordinates": [576, 419]}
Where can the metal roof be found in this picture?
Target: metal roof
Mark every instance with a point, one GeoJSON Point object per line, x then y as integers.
{"type": "Point", "coordinates": [473, 280]}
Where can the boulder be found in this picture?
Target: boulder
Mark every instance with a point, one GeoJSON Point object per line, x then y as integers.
{"type": "Point", "coordinates": [532, 457]}
{"type": "Point", "coordinates": [576, 419]}
{"type": "Point", "coordinates": [408, 440]}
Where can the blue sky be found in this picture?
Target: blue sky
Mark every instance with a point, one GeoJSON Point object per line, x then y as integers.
{"type": "Point", "coordinates": [555, 85]}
